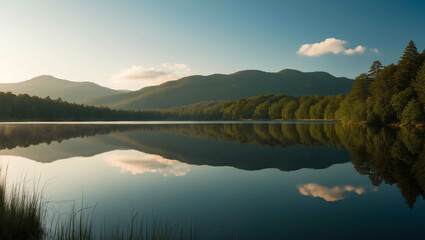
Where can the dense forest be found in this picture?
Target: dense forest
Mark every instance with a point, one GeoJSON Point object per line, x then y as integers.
{"type": "Point", "coordinates": [26, 108]}
{"type": "Point", "coordinates": [262, 107]}
{"type": "Point", "coordinates": [385, 95]}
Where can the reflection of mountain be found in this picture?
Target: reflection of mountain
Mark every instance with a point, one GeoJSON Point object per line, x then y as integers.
{"type": "Point", "coordinates": [392, 156]}
{"type": "Point", "coordinates": [182, 142]}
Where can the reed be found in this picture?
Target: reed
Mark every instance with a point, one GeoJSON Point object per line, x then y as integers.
{"type": "Point", "coordinates": [23, 215]}
{"type": "Point", "coordinates": [22, 210]}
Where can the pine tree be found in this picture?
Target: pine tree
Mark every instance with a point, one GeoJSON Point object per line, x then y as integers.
{"type": "Point", "coordinates": [379, 110]}
{"type": "Point", "coordinates": [407, 67]}
{"type": "Point", "coordinates": [375, 69]}
{"type": "Point", "coordinates": [360, 89]}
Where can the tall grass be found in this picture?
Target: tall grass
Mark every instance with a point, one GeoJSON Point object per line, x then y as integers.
{"type": "Point", "coordinates": [22, 210]}
{"type": "Point", "coordinates": [80, 224]}
{"type": "Point", "coordinates": [23, 214]}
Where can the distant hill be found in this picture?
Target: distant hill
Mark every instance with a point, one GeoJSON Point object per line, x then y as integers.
{"type": "Point", "coordinates": [217, 87]}
{"type": "Point", "coordinates": [45, 85]}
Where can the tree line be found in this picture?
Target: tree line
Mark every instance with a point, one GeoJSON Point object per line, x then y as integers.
{"type": "Point", "coordinates": [23, 107]}
{"type": "Point", "coordinates": [261, 107]}
{"type": "Point", "coordinates": [385, 95]}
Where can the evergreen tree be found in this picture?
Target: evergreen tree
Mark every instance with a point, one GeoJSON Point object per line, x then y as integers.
{"type": "Point", "coordinates": [419, 85]}
{"type": "Point", "coordinates": [375, 69]}
{"type": "Point", "coordinates": [354, 108]}
{"type": "Point", "coordinates": [361, 88]}
{"type": "Point", "coordinates": [400, 100]}
{"type": "Point", "coordinates": [407, 67]}
{"type": "Point", "coordinates": [413, 113]}
{"type": "Point", "coordinates": [378, 108]}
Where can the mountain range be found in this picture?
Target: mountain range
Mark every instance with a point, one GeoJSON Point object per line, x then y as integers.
{"type": "Point", "coordinates": [187, 90]}
{"type": "Point", "coordinates": [49, 86]}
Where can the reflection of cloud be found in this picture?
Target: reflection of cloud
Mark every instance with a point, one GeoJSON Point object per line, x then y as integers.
{"type": "Point", "coordinates": [328, 194]}
{"type": "Point", "coordinates": [143, 163]}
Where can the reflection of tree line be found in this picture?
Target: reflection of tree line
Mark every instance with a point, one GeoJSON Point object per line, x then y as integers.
{"type": "Point", "coordinates": [386, 155]}
{"type": "Point", "coordinates": [393, 157]}
{"type": "Point", "coordinates": [24, 135]}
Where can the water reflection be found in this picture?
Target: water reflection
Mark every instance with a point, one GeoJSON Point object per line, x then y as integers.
{"type": "Point", "coordinates": [328, 194]}
{"type": "Point", "coordinates": [386, 155]}
{"type": "Point", "coordinates": [138, 163]}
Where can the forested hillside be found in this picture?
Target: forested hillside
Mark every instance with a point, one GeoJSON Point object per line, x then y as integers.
{"type": "Point", "coordinates": [385, 95]}
{"type": "Point", "coordinates": [219, 87]}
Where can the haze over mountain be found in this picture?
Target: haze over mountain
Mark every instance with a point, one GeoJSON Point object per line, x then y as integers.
{"type": "Point", "coordinates": [193, 89]}
{"type": "Point", "coordinates": [46, 85]}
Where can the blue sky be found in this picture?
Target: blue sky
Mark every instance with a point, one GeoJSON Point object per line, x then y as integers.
{"type": "Point", "coordinates": [131, 44]}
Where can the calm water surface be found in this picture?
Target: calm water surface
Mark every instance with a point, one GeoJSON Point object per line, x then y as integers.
{"type": "Point", "coordinates": [254, 180]}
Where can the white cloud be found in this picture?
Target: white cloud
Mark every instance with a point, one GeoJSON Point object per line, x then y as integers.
{"type": "Point", "coordinates": [328, 194]}
{"type": "Point", "coordinates": [137, 77]}
{"type": "Point", "coordinates": [330, 45]}
{"type": "Point", "coordinates": [375, 50]}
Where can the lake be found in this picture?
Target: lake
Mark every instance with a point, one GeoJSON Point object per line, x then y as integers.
{"type": "Point", "coordinates": [252, 180]}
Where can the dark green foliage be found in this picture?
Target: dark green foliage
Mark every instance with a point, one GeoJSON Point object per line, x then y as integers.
{"type": "Point", "coordinates": [400, 100]}
{"type": "Point", "coordinates": [419, 84]}
{"type": "Point", "coordinates": [262, 110]}
{"type": "Point", "coordinates": [305, 103]}
{"type": "Point", "coordinates": [407, 67]}
{"type": "Point", "coordinates": [26, 108]}
{"type": "Point", "coordinates": [379, 109]}
{"type": "Point", "coordinates": [375, 69]}
{"type": "Point", "coordinates": [332, 106]}
{"type": "Point", "coordinates": [382, 95]}
{"type": "Point", "coordinates": [361, 88]}
{"type": "Point", "coordinates": [317, 111]}
{"type": "Point", "coordinates": [413, 113]}
{"type": "Point", "coordinates": [275, 110]}
{"type": "Point", "coordinates": [354, 108]}
{"type": "Point", "coordinates": [288, 111]}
